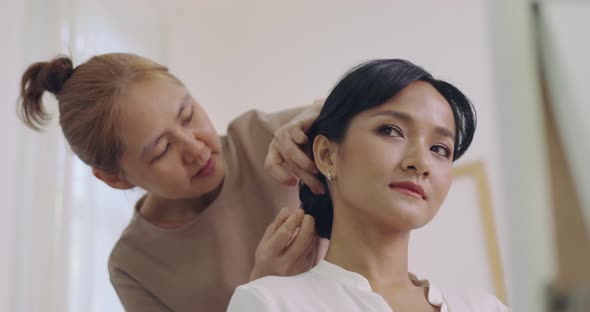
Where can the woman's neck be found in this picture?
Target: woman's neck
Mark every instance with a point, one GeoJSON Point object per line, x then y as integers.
{"type": "Point", "coordinates": [174, 213]}
{"type": "Point", "coordinates": [380, 256]}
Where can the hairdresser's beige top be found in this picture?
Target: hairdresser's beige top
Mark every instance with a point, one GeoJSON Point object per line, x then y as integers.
{"type": "Point", "coordinates": [328, 287]}
{"type": "Point", "coordinates": [197, 267]}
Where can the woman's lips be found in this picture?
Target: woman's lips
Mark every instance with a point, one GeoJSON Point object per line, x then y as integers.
{"type": "Point", "coordinates": [207, 169]}
{"type": "Point", "coordinates": [409, 188]}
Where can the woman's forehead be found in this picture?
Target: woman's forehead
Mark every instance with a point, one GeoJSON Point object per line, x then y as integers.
{"type": "Point", "coordinates": [147, 107]}
{"type": "Point", "coordinates": [419, 102]}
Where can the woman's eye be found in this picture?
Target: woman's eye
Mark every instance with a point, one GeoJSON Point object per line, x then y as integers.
{"type": "Point", "coordinates": [187, 121]}
{"type": "Point", "coordinates": [389, 130]}
{"type": "Point", "coordinates": [441, 150]}
{"type": "Point", "coordinates": [162, 154]}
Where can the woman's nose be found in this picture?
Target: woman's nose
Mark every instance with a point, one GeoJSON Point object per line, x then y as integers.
{"type": "Point", "coordinates": [194, 151]}
{"type": "Point", "coordinates": [416, 159]}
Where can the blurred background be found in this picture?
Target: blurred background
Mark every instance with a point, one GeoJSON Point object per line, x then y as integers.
{"type": "Point", "coordinates": [524, 64]}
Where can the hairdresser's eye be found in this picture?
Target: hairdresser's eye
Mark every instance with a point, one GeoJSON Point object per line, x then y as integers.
{"type": "Point", "coordinates": [162, 154]}
{"type": "Point", "coordinates": [187, 120]}
{"type": "Point", "coordinates": [441, 150]}
{"type": "Point", "coordinates": [389, 130]}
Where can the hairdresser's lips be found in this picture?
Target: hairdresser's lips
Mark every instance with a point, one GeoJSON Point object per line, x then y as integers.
{"type": "Point", "coordinates": [207, 170]}
{"type": "Point", "coordinates": [409, 188]}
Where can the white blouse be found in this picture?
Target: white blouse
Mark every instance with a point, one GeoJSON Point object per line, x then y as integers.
{"type": "Point", "coordinates": [328, 287]}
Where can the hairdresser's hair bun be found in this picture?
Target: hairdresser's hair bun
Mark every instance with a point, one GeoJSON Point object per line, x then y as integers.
{"type": "Point", "coordinates": [55, 73]}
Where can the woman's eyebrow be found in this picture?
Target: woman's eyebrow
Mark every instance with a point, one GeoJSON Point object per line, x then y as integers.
{"type": "Point", "coordinates": [395, 114]}
{"type": "Point", "coordinates": [440, 130]}
{"type": "Point", "coordinates": [181, 105]}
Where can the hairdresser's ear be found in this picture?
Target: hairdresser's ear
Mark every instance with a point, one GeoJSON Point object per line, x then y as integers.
{"type": "Point", "coordinates": [116, 181]}
{"type": "Point", "coordinates": [325, 155]}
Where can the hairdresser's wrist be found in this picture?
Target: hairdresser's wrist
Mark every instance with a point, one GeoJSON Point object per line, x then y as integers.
{"type": "Point", "coordinates": [256, 274]}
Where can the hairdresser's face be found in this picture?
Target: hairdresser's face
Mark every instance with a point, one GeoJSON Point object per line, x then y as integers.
{"type": "Point", "coordinates": [389, 153]}
{"type": "Point", "coordinates": [171, 147]}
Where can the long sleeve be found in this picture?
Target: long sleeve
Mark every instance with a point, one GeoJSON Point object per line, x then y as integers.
{"type": "Point", "coordinates": [134, 297]}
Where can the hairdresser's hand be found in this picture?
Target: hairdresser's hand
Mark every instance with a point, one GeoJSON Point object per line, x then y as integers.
{"type": "Point", "coordinates": [288, 247]}
{"type": "Point", "coordinates": [286, 161]}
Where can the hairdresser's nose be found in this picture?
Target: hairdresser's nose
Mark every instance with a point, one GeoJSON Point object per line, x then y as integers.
{"type": "Point", "coordinates": [417, 159]}
{"type": "Point", "coordinates": [194, 151]}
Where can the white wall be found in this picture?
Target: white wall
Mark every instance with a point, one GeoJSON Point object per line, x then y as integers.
{"type": "Point", "coordinates": [11, 22]}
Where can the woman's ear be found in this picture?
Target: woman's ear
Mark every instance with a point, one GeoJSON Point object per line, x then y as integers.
{"type": "Point", "coordinates": [116, 181]}
{"type": "Point", "coordinates": [325, 155]}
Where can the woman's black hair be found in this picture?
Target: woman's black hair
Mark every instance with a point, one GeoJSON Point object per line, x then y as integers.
{"type": "Point", "coordinates": [366, 86]}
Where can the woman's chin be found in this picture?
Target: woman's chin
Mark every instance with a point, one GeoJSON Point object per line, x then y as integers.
{"type": "Point", "coordinates": [210, 183]}
{"type": "Point", "coordinates": [405, 221]}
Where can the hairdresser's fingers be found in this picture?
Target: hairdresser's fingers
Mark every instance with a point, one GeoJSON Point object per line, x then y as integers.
{"type": "Point", "coordinates": [283, 235]}
{"type": "Point", "coordinates": [300, 262]}
{"type": "Point", "coordinates": [311, 114]}
{"type": "Point", "coordinates": [299, 247]}
{"type": "Point", "coordinates": [311, 253]}
{"type": "Point", "coordinates": [268, 258]}
{"type": "Point", "coordinates": [294, 169]}
{"type": "Point", "coordinates": [312, 181]}
{"type": "Point", "coordinates": [280, 218]}
{"type": "Point", "coordinates": [293, 153]}
{"type": "Point", "coordinates": [273, 164]}
{"type": "Point", "coordinates": [297, 135]}
{"type": "Point", "coordinates": [282, 175]}
{"type": "Point", "coordinates": [292, 172]}
{"type": "Point", "coordinates": [306, 123]}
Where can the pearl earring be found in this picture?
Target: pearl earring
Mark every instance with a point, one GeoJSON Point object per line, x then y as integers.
{"type": "Point", "coordinates": [329, 176]}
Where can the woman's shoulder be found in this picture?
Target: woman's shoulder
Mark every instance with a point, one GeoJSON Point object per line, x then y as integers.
{"type": "Point", "coordinates": [266, 294]}
{"type": "Point", "coordinates": [277, 293]}
{"type": "Point", "coordinates": [123, 247]}
{"type": "Point", "coordinates": [472, 300]}
{"type": "Point", "coordinates": [132, 240]}
{"type": "Point", "coordinates": [279, 284]}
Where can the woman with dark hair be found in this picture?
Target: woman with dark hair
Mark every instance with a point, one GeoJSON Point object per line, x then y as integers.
{"type": "Point", "coordinates": [384, 144]}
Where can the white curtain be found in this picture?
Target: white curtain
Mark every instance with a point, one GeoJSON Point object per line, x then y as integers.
{"type": "Point", "coordinates": [40, 271]}
{"type": "Point", "coordinates": [68, 221]}
{"type": "Point", "coordinates": [565, 53]}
